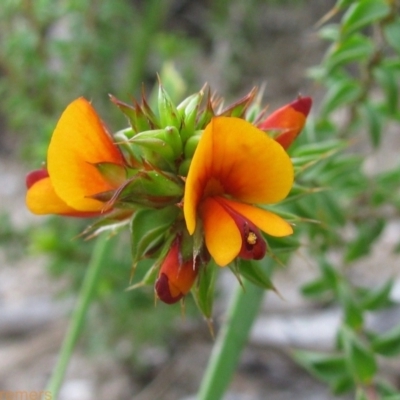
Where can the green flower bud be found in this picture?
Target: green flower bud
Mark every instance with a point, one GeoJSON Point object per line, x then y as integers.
{"type": "Point", "coordinates": [165, 145]}
{"type": "Point", "coordinates": [151, 189]}
{"type": "Point", "coordinates": [191, 144]}
{"type": "Point", "coordinates": [184, 167]}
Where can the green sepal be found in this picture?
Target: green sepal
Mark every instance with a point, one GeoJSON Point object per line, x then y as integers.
{"type": "Point", "coordinates": [135, 114]}
{"type": "Point", "coordinates": [165, 142]}
{"type": "Point", "coordinates": [257, 273]}
{"type": "Point", "coordinates": [149, 113]}
{"type": "Point", "coordinates": [152, 189]}
{"type": "Point", "coordinates": [149, 230]}
{"type": "Point", "coordinates": [239, 108]}
{"type": "Point", "coordinates": [115, 174]}
{"type": "Point", "coordinates": [168, 113]}
{"type": "Point", "coordinates": [189, 115]}
{"type": "Point", "coordinates": [114, 222]}
{"type": "Point", "coordinates": [207, 114]}
{"type": "Point", "coordinates": [203, 292]}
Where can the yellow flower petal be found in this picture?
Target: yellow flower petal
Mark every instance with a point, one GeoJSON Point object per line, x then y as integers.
{"type": "Point", "coordinates": [78, 143]}
{"type": "Point", "coordinates": [42, 199]}
{"type": "Point", "coordinates": [222, 236]}
{"type": "Point", "coordinates": [241, 161]}
{"type": "Point", "coordinates": [267, 221]}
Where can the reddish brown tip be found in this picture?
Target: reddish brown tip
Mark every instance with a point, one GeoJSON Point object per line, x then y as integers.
{"type": "Point", "coordinates": [302, 105]}
{"type": "Point", "coordinates": [163, 292]}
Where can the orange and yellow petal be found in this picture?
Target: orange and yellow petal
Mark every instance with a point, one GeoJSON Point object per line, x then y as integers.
{"type": "Point", "coordinates": [267, 221]}
{"type": "Point", "coordinates": [289, 120]}
{"type": "Point", "coordinates": [240, 161]}
{"type": "Point", "coordinates": [42, 199]}
{"type": "Point", "coordinates": [79, 142]}
{"type": "Point", "coordinates": [222, 236]}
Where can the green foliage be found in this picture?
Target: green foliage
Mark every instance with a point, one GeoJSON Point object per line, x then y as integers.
{"type": "Point", "coordinates": [361, 76]}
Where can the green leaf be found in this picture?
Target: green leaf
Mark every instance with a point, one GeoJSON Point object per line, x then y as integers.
{"type": "Point", "coordinates": [329, 32]}
{"type": "Point", "coordinates": [315, 288]}
{"type": "Point", "coordinates": [364, 13]}
{"type": "Point", "coordinates": [355, 48]}
{"type": "Point", "coordinates": [387, 79]}
{"type": "Point", "coordinates": [327, 367]}
{"type": "Point", "coordinates": [392, 34]}
{"type": "Point", "coordinates": [254, 272]}
{"type": "Point", "coordinates": [353, 315]}
{"type": "Point", "coordinates": [379, 297]}
{"type": "Point", "coordinates": [342, 385]}
{"type": "Point", "coordinates": [342, 91]}
{"type": "Point", "coordinates": [375, 121]}
{"type": "Point", "coordinates": [286, 244]}
{"type": "Point", "coordinates": [368, 232]}
{"type": "Point", "coordinates": [329, 274]}
{"type": "Point", "coordinates": [149, 228]}
{"type": "Point", "coordinates": [388, 344]}
{"type": "Point", "coordinates": [360, 359]}
{"type": "Point", "coordinates": [387, 390]}
{"type": "Point", "coordinates": [320, 148]}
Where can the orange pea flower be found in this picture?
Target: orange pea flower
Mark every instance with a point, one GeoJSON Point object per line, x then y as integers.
{"type": "Point", "coordinates": [79, 155]}
{"type": "Point", "coordinates": [288, 120]}
{"type": "Point", "coordinates": [235, 166]}
{"type": "Point", "coordinates": [176, 276]}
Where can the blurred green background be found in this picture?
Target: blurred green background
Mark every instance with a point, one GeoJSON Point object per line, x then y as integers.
{"type": "Point", "coordinates": [54, 51]}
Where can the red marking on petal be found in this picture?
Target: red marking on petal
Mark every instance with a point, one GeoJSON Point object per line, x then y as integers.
{"type": "Point", "coordinates": [35, 176]}
{"type": "Point", "coordinates": [302, 104]}
{"type": "Point", "coordinates": [254, 246]}
{"type": "Point", "coordinates": [162, 288]}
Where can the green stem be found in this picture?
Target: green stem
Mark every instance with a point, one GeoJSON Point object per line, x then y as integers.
{"type": "Point", "coordinates": [230, 341]}
{"type": "Point", "coordinates": [101, 248]}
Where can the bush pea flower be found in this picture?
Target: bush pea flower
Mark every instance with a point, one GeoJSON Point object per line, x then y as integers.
{"type": "Point", "coordinates": [235, 166]}
{"type": "Point", "coordinates": [190, 180]}
{"type": "Point", "coordinates": [176, 275]}
{"type": "Point", "coordinates": [80, 157]}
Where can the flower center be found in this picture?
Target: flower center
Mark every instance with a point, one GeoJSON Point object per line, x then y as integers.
{"type": "Point", "coordinates": [213, 188]}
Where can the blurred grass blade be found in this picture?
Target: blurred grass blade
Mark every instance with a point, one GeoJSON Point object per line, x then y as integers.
{"type": "Point", "coordinates": [102, 247]}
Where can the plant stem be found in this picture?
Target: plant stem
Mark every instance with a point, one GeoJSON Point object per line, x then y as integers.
{"type": "Point", "coordinates": [230, 341]}
{"type": "Point", "coordinates": [101, 248]}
